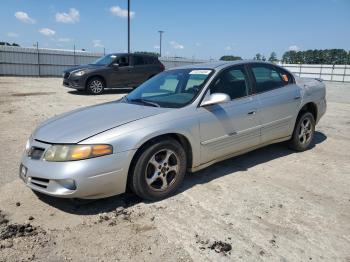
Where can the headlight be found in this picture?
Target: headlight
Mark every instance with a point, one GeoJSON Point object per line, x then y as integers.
{"type": "Point", "coordinates": [79, 73]}
{"type": "Point", "coordinates": [60, 153]}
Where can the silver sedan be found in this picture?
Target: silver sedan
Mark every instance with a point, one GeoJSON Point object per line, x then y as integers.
{"type": "Point", "coordinates": [183, 119]}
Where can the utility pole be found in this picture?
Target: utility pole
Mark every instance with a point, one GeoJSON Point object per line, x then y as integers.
{"type": "Point", "coordinates": [160, 42]}
{"type": "Point", "coordinates": [129, 26]}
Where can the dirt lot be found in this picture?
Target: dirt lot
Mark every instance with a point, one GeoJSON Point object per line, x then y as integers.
{"type": "Point", "coordinates": [268, 205]}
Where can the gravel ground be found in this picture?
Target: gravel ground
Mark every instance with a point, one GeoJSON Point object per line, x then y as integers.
{"type": "Point", "coordinates": [268, 205]}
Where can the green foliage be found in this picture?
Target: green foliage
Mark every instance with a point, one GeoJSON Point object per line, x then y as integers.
{"type": "Point", "coordinates": [258, 57]}
{"type": "Point", "coordinates": [147, 53]}
{"type": "Point", "coordinates": [8, 44]}
{"type": "Point", "coordinates": [230, 58]}
{"type": "Point", "coordinates": [273, 57]}
{"type": "Point", "coordinates": [326, 56]}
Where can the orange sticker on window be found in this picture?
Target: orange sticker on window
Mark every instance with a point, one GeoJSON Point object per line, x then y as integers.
{"type": "Point", "coordinates": [285, 78]}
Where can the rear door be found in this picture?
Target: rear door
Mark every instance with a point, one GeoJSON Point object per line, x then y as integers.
{"type": "Point", "coordinates": [279, 99]}
{"type": "Point", "coordinates": [229, 127]}
{"type": "Point", "coordinates": [121, 76]}
{"type": "Point", "coordinates": [143, 69]}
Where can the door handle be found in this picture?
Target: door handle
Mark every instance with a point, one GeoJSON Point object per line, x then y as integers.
{"type": "Point", "coordinates": [297, 97]}
{"type": "Point", "coordinates": [252, 112]}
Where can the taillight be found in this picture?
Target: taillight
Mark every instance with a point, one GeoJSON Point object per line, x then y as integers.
{"type": "Point", "coordinates": [162, 67]}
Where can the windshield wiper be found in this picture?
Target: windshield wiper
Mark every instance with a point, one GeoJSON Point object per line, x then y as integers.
{"type": "Point", "coordinates": [143, 101]}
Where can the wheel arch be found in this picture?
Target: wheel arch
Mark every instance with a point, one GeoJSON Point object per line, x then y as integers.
{"type": "Point", "coordinates": [97, 76]}
{"type": "Point", "coordinates": [309, 107]}
{"type": "Point", "coordinates": [182, 139]}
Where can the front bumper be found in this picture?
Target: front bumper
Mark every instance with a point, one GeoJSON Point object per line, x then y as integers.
{"type": "Point", "coordinates": [93, 178]}
{"type": "Point", "coordinates": [74, 82]}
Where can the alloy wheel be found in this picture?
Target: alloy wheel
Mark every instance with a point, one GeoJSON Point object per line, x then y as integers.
{"type": "Point", "coordinates": [305, 131]}
{"type": "Point", "coordinates": [96, 86]}
{"type": "Point", "coordinates": [162, 170]}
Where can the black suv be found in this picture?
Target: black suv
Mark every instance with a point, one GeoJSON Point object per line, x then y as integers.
{"type": "Point", "coordinates": [113, 71]}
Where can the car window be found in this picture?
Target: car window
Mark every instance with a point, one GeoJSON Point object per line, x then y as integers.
{"type": "Point", "coordinates": [194, 82]}
{"type": "Point", "coordinates": [174, 88]}
{"type": "Point", "coordinates": [123, 61]}
{"type": "Point", "coordinates": [105, 60]}
{"type": "Point", "coordinates": [233, 82]}
{"type": "Point", "coordinates": [139, 60]}
{"type": "Point", "coordinates": [149, 60]}
{"type": "Point", "coordinates": [267, 78]}
{"type": "Point", "coordinates": [170, 84]}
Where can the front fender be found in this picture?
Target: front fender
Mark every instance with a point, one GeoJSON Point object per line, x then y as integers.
{"type": "Point", "coordinates": [133, 135]}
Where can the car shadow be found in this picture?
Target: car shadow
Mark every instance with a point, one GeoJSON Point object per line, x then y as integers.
{"type": "Point", "coordinates": [105, 92]}
{"type": "Point", "coordinates": [227, 167]}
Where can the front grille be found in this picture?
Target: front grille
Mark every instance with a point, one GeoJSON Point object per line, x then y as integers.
{"type": "Point", "coordinates": [66, 75]}
{"type": "Point", "coordinates": [35, 152]}
{"type": "Point", "coordinates": [39, 182]}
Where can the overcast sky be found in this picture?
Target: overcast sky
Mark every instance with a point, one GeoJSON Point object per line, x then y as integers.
{"type": "Point", "coordinates": [193, 28]}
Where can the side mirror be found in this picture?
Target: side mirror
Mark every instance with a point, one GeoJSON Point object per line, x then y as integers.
{"type": "Point", "coordinates": [216, 98]}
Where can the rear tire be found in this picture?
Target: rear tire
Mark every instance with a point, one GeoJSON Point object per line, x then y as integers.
{"type": "Point", "coordinates": [95, 86]}
{"type": "Point", "coordinates": [303, 133]}
{"type": "Point", "coordinates": [159, 170]}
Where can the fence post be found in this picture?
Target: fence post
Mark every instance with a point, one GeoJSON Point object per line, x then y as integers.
{"type": "Point", "coordinates": [321, 71]}
{"type": "Point", "coordinates": [299, 70]}
{"type": "Point", "coordinates": [344, 73]}
{"type": "Point", "coordinates": [74, 56]}
{"type": "Point", "coordinates": [332, 72]}
{"type": "Point", "coordinates": [37, 50]}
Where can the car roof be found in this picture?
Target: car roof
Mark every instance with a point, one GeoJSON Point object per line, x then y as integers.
{"type": "Point", "coordinates": [218, 65]}
{"type": "Point", "coordinates": [140, 54]}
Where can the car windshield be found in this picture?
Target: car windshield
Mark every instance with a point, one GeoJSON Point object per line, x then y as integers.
{"type": "Point", "coordinates": [105, 60]}
{"type": "Point", "coordinates": [174, 88]}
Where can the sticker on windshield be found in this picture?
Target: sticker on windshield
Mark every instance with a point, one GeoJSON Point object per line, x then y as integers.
{"type": "Point", "coordinates": [200, 72]}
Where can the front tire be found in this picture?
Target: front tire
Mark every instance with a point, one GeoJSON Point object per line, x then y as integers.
{"type": "Point", "coordinates": [95, 86]}
{"type": "Point", "coordinates": [303, 133]}
{"type": "Point", "coordinates": [159, 170]}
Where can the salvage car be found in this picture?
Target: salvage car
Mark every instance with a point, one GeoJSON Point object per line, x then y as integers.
{"type": "Point", "coordinates": [183, 119]}
{"type": "Point", "coordinates": [112, 71]}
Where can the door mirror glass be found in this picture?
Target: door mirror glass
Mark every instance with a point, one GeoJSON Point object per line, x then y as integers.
{"type": "Point", "coordinates": [216, 98]}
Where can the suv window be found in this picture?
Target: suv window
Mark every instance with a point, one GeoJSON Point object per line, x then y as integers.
{"type": "Point", "coordinates": [139, 60]}
{"type": "Point", "coordinates": [233, 82]}
{"type": "Point", "coordinates": [123, 61]}
{"type": "Point", "coordinates": [268, 78]}
{"type": "Point", "coordinates": [149, 60]}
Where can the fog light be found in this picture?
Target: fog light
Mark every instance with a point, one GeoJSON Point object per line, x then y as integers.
{"type": "Point", "coordinates": [67, 183]}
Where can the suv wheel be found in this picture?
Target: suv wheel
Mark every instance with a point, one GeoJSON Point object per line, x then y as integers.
{"type": "Point", "coordinates": [159, 170]}
{"type": "Point", "coordinates": [95, 86]}
{"type": "Point", "coordinates": [303, 132]}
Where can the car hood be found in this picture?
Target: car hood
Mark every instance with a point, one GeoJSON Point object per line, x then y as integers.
{"type": "Point", "coordinates": [77, 125]}
{"type": "Point", "coordinates": [81, 67]}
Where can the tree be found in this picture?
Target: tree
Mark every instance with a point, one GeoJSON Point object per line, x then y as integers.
{"type": "Point", "coordinates": [15, 44]}
{"type": "Point", "coordinates": [230, 58]}
{"type": "Point", "coordinates": [263, 58]}
{"type": "Point", "coordinates": [326, 56]}
{"type": "Point", "coordinates": [257, 57]}
{"type": "Point", "coordinates": [147, 53]}
{"type": "Point", "coordinates": [273, 57]}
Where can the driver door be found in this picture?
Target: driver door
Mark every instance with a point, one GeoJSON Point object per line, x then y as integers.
{"type": "Point", "coordinates": [229, 127]}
